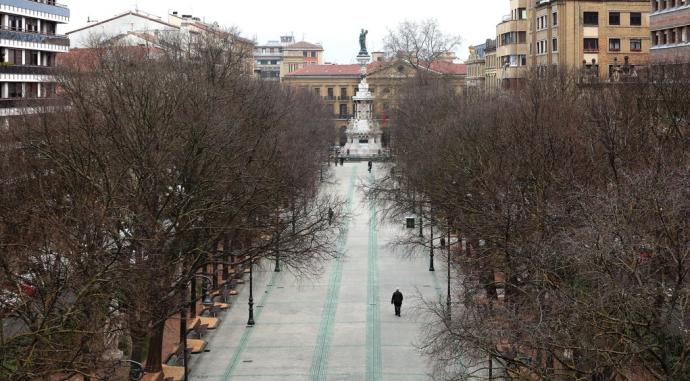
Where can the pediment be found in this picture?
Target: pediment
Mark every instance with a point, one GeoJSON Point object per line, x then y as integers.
{"type": "Point", "coordinates": [396, 69]}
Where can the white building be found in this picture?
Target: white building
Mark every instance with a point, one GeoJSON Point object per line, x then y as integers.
{"type": "Point", "coordinates": [29, 44]}
{"type": "Point", "coordinates": [128, 23]}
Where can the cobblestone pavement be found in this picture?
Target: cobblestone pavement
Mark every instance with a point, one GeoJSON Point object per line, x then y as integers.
{"type": "Point", "coordinates": [340, 326]}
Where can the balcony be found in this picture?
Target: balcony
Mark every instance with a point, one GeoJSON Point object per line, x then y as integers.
{"type": "Point", "coordinates": [44, 6]}
{"type": "Point", "coordinates": [329, 98]}
{"type": "Point", "coordinates": [28, 36]}
{"type": "Point", "coordinates": [27, 70]}
{"type": "Point", "coordinates": [6, 103]}
{"type": "Point", "coordinates": [344, 116]}
{"type": "Point", "coordinates": [343, 98]}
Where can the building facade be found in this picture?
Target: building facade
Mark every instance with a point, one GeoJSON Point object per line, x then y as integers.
{"type": "Point", "coordinates": [268, 58]}
{"type": "Point", "coordinates": [29, 45]}
{"type": "Point", "coordinates": [590, 34]}
{"type": "Point", "coordinates": [511, 45]}
{"type": "Point", "coordinates": [491, 82]}
{"type": "Point", "coordinates": [336, 84]}
{"type": "Point", "coordinates": [476, 67]}
{"type": "Point", "coordinates": [669, 26]}
{"type": "Point", "coordinates": [298, 55]}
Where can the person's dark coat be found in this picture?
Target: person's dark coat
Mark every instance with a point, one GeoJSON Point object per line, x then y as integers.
{"type": "Point", "coordinates": [397, 298]}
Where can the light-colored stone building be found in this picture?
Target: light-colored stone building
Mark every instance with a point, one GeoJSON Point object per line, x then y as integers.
{"type": "Point", "coordinates": [592, 33]}
{"type": "Point", "coordinates": [476, 66]}
{"type": "Point", "coordinates": [511, 45]}
{"type": "Point", "coordinates": [338, 83]}
{"type": "Point", "coordinates": [300, 54]}
{"type": "Point", "coordinates": [669, 26]}
{"type": "Point", "coordinates": [491, 82]}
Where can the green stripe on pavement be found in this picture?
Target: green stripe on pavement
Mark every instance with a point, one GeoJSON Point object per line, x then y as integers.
{"type": "Point", "coordinates": [319, 362]}
{"type": "Point", "coordinates": [373, 370]}
{"type": "Point", "coordinates": [230, 369]}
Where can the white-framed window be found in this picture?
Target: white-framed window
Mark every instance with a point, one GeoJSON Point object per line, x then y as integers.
{"type": "Point", "coordinates": [542, 22]}
{"type": "Point", "coordinates": [554, 44]}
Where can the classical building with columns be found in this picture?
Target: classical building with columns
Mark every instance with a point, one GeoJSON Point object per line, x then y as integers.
{"type": "Point", "coordinates": [29, 44]}
{"type": "Point", "coordinates": [670, 31]}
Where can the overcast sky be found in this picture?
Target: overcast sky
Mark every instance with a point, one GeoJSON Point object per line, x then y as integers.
{"type": "Point", "coordinates": [335, 24]}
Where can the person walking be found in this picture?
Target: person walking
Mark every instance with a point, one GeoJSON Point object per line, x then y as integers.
{"type": "Point", "coordinates": [397, 300]}
{"type": "Point", "coordinates": [342, 160]}
{"type": "Point", "coordinates": [331, 213]}
{"type": "Point", "coordinates": [370, 164]}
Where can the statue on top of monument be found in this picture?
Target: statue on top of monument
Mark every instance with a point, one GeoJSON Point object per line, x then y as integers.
{"type": "Point", "coordinates": [363, 42]}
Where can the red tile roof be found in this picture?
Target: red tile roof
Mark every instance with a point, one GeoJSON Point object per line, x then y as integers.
{"type": "Point", "coordinates": [353, 70]}
{"type": "Point", "coordinates": [304, 45]}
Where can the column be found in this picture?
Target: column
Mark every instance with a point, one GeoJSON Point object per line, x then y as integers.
{"type": "Point", "coordinates": [5, 90]}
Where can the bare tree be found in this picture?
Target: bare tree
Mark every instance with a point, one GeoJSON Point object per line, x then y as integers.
{"type": "Point", "coordinates": [420, 42]}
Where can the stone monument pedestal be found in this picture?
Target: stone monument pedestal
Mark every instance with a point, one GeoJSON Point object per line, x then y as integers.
{"type": "Point", "coordinates": [363, 132]}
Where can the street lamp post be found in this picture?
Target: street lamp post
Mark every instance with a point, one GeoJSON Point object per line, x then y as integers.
{"type": "Point", "coordinates": [431, 240]}
{"type": "Point", "coordinates": [448, 274]}
{"type": "Point", "coordinates": [250, 321]}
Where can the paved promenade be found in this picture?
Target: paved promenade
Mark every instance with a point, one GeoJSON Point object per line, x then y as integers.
{"type": "Point", "coordinates": [340, 326]}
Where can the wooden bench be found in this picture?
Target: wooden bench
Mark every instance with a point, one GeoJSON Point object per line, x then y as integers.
{"type": "Point", "coordinates": [210, 322]}
{"type": "Point", "coordinates": [193, 324]}
{"type": "Point", "coordinates": [197, 346]}
{"type": "Point", "coordinates": [173, 373]}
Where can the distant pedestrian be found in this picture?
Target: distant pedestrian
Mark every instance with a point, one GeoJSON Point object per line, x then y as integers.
{"type": "Point", "coordinates": [348, 152]}
{"type": "Point", "coordinates": [336, 161]}
{"type": "Point", "coordinates": [342, 161]}
{"type": "Point", "coordinates": [330, 215]}
{"type": "Point", "coordinates": [397, 300]}
{"type": "Point", "coordinates": [370, 164]}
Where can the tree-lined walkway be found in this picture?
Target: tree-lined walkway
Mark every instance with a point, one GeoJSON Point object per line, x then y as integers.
{"type": "Point", "coordinates": [340, 326]}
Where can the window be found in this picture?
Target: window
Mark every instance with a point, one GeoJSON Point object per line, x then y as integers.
{"type": "Point", "coordinates": [554, 45]}
{"type": "Point", "coordinates": [554, 19]}
{"type": "Point", "coordinates": [591, 44]}
{"type": "Point", "coordinates": [33, 57]}
{"type": "Point", "coordinates": [636, 18]}
{"type": "Point", "coordinates": [542, 23]}
{"type": "Point", "coordinates": [614, 18]}
{"type": "Point", "coordinates": [304, 53]}
{"type": "Point", "coordinates": [343, 110]}
{"type": "Point", "coordinates": [317, 91]}
{"type": "Point", "coordinates": [522, 13]}
{"type": "Point", "coordinates": [15, 89]}
{"type": "Point", "coordinates": [591, 18]}
{"type": "Point", "coordinates": [541, 47]}
{"type": "Point", "coordinates": [329, 91]}
{"type": "Point", "coordinates": [635, 45]}
{"type": "Point", "coordinates": [614, 44]}
{"type": "Point", "coordinates": [343, 92]}
{"type": "Point", "coordinates": [313, 54]}
{"type": "Point", "coordinates": [15, 56]}
{"type": "Point", "coordinates": [15, 23]}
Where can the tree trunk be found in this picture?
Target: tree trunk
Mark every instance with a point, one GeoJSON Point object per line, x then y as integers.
{"type": "Point", "coordinates": [138, 350]}
{"type": "Point", "coordinates": [154, 360]}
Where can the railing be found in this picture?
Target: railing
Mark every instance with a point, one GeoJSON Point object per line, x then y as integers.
{"type": "Point", "coordinates": [26, 69]}
{"type": "Point", "coordinates": [30, 102]}
{"type": "Point", "coordinates": [27, 36]}
{"type": "Point", "coordinates": [343, 98]}
{"type": "Point", "coordinates": [329, 98]}
{"type": "Point", "coordinates": [343, 116]}
{"type": "Point", "coordinates": [49, 2]}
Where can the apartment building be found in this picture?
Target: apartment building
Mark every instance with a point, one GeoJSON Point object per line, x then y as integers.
{"type": "Point", "coordinates": [29, 45]}
{"type": "Point", "coordinates": [491, 82]}
{"type": "Point", "coordinates": [268, 58]}
{"type": "Point", "coordinates": [476, 66]}
{"type": "Point", "coordinates": [512, 48]}
{"type": "Point", "coordinates": [598, 36]}
{"type": "Point", "coordinates": [300, 54]}
{"type": "Point", "coordinates": [669, 26]}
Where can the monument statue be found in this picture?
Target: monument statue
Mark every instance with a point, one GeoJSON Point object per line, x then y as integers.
{"type": "Point", "coordinates": [363, 42]}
